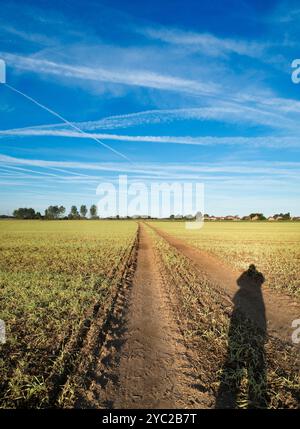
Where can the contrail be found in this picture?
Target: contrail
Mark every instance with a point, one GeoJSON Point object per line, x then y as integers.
{"type": "Point", "coordinates": [88, 135]}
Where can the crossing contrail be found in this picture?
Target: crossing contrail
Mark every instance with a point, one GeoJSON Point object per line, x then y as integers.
{"type": "Point", "coordinates": [87, 135]}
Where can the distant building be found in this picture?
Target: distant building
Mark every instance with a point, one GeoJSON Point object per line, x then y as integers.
{"type": "Point", "coordinates": [230, 217]}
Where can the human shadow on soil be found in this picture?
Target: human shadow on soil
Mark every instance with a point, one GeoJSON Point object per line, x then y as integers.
{"type": "Point", "coordinates": [244, 374]}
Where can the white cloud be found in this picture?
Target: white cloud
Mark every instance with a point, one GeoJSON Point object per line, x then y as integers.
{"type": "Point", "coordinates": [275, 113]}
{"type": "Point", "coordinates": [162, 169]}
{"type": "Point", "coordinates": [267, 141]}
{"type": "Point", "coordinates": [123, 76]}
{"type": "Point", "coordinates": [204, 42]}
{"type": "Point", "coordinates": [223, 112]}
{"type": "Point", "coordinates": [37, 38]}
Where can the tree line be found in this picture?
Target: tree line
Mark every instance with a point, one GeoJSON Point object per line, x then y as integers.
{"type": "Point", "coordinates": [57, 212]}
{"type": "Point", "coordinates": [282, 216]}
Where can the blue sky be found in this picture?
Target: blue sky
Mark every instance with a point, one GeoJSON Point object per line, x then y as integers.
{"type": "Point", "coordinates": [188, 91]}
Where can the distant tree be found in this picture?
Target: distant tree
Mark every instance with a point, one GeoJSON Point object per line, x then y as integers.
{"type": "Point", "coordinates": [259, 216]}
{"type": "Point", "coordinates": [73, 213]}
{"type": "Point", "coordinates": [284, 216]}
{"type": "Point", "coordinates": [38, 215]}
{"type": "Point", "coordinates": [54, 212]}
{"type": "Point", "coordinates": [189, 217]}
{"type": "Point", "coordinates": [83, 210]}
{"type": "Point", "coordinates": [93, 211]}
{"type": "Point", "coordinates": [61, 210]}
{"type": "Point", "coordinates": [24, 213]}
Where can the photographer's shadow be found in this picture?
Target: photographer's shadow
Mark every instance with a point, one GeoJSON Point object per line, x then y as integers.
{"type": "Point", "coordinates": [244, 374]}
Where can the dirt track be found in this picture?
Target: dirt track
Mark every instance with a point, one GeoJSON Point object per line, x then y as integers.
{"type": "Point", "coordinates": [144, 361]}
{"type": "Point", "coordinates": [281, 309]}
{"type": "Point", "coordinates": [146, 365]}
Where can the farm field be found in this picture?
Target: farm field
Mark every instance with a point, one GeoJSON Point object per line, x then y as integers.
{"type": "Point", "coordinates": [54, 277]}
{"type": "Point", "coordinates": [237, 364]}
{"type": "Point", "coordinates": [273, 247]}
{"type": "Point", "coordinates": [115, 314]}
{"type": "Point", "coordinates": [149, 210]}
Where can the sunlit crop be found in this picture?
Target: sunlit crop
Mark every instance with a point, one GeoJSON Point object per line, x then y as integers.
{"type": "Point", "coordinates": [273, 247]}
{"type": "Point", "coordinates": [206, 313]}
{"type": "Point", "coordinates": [52, 274]}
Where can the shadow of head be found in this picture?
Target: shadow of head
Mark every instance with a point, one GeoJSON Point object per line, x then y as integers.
{"type": "Point", "coordinates": [251, 278]}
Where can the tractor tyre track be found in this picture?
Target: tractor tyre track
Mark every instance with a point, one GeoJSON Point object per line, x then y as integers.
{"type": "Point", "coordinates": [146, 365]}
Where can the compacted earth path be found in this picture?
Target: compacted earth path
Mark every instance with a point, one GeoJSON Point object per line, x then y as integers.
{"type": "Point", "coordinates": [146, 365]}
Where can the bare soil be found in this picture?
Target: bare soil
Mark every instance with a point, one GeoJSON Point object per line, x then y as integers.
{"type": "Point", "coordinates": [144, 362]}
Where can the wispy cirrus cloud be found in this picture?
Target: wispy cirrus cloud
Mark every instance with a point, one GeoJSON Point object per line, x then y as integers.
{"type": "Point", "coordinates": [126, 76]}
{"type": "Point", "coordinates": [223, 181]}
{"type": "Point", "coordinates": [205, 43]}
{"type": "Point", "coordinates": [267, 141]}
{"type": "Point", "coordinates": [36, 38]}
{"type": "Point", "coordinates": [225, 101]}
{"type": "Point", "coordinates": [161, 169]}
{"type": "Point", "coordinates": [276, 114]}
{"type": "Point", "coordinates": [283, 119]}
{"type": "Point", "coordinates": [222, 102]}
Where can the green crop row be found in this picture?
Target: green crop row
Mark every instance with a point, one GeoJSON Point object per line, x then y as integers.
{"type": "Point", "coordinates": [51, 276]}
{"type": "Point", "coordinates": [273, 247]}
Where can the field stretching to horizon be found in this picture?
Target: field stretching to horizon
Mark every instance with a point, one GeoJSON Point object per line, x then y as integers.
{"type": "Point", "coordinates": [97, 309]}
{"type": "Point", "coordinates": [274, 247]}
